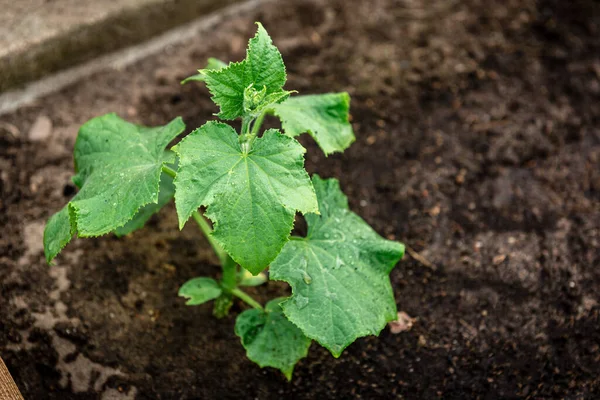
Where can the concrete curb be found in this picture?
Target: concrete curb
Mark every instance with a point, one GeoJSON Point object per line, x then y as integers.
{"type": "Point", "coordinates": [14, 99]}
{"type": "Point", "coordinates": [39, 37]}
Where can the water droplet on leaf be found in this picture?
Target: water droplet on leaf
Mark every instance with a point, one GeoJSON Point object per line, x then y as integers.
{"type": "Point", "coordinates": [301, 301]}
{"type": "Point", "coordinates": [306, 277]}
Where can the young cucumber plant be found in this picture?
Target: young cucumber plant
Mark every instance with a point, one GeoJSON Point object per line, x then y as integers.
{"type": "Point", "coordinates": [250, 186]}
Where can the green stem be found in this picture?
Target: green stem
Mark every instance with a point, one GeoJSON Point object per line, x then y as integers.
{"type": "Point", "coordinates": [171, 172]}
{"type": "Point", "coordinates": [246, 125]}
{"type": "Point", "coordinates": [207, 230]}
{"type": "Point", "coordinates": [246, 298]}
{"type": "Point", "coordinates": [229, 279]}
{"type": "Point", "coordinates": [257, 124]}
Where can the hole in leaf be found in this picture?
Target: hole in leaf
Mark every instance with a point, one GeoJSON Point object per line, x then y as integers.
{"type": "Point", "coordinates": [300, 227]}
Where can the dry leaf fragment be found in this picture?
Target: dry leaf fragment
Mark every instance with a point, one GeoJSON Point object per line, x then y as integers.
{"type": "Point", "coordinates": [404, 323]}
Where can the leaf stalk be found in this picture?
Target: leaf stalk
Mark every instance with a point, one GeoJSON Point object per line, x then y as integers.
{"type": "Point", "coordinates": [246, 298]}
{"type": "Point", "coordinates": [169, 171]}
{"type": "Point", "coordinates": [257, 124]}
{"type": "Point", "coordinates": [207, 230]}
{"type": "Point", "coordinates": [228, 265]}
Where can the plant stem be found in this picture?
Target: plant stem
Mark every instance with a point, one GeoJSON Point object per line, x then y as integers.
{"type": "Point", "coordinates": [229, 279]}
{"type": "Point", "coordinates": [245, 125]}
{"type": "Point", "coordinates": [257, 124]}
{"type": "Point", "coordinates": [207, 230]}
{"type": "Point", "coordinates": [246, 298]}
{"type": "Point", "coordinates": [171, 172]}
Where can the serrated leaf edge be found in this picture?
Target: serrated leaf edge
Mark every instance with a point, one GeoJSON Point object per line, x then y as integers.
{"type": "Point", "coordinates": [343, 347]}
{"type": "Point", "coordinates": [347, 100]}
{"type": "Point", "coordinates": [213, 72]}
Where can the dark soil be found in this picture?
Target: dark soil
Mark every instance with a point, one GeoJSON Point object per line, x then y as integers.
{"type": "Point", "coordinates": [478, 126]}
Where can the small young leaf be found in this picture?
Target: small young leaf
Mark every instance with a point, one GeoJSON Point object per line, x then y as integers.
{"type": "Point", "coordinates": [263, 68]}
{"type": "Point", "coordinates": [256, 101]}
{"type": "Point", "coordinates": [199, 77]}
{"type": "Point", "coordinates": [270, 339]}
{"type": "Point", "coordinates": [323, 116]}
{"type": "Point", "coordinates": [165, 194]}
{"type": "Point", "coordinates": [338, 274]}
{"type": "Point", "coordinates": [118, 168]}
{"type": "Point", "coordinates": [200, 290]}
{"type": "Point", "coordinates": [267, 102]}
{"type": "Point", "coordinates": [213, 64]}
{"type": "Point", "coordinates": [251, 195]}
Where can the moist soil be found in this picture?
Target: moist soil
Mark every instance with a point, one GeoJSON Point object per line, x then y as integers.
{"type": "Point", "coordinates": [478, 145]}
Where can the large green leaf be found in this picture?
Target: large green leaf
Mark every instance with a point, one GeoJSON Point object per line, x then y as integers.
{"type": "Point", "coordinates": [251, 195]}
{"type": "Point", "coordinates": [338, 274]}
{"type": "Point", "coordinates": [118, 168]}
{"type": "Point", "coordinates": [262, 68]}
{"type": "Point", "coordinates": [270, 339]}
{"type": "Point", "coordinates": [323, 116]}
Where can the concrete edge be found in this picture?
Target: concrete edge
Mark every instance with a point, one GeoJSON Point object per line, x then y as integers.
{"type": "Point", "coordinates": [12, 100]}
{"type": "Point", "coordinates": [114, 32]}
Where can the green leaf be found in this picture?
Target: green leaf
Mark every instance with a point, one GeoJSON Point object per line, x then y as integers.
{"type": "Point", "coordinates": [263, 68]}
{"type": "Point", "coordinates": [252, 195]}
{"type": "Point", "coordinates": [199, 77]}
{"type": "Point", "coordinates": [165, 194]}
{"type": "Point", "coordinates": [213, 64]}
{"type": "Point", "coordinates": [256, 101]}
{"type": "Point", "coordinates": [200, 290]}
{"type": "Point", "coordinates": [270, 339]}
{"type": "Point", "coordinates": [118, 168]}
{"type": "Point", "coordinates": [338, 274]}
{"type": "Point", "coordinates": [58, 233]}
{"type": "Point", "coordinates": [323, 116]}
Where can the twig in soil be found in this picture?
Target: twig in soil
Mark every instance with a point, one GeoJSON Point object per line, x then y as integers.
{"type": "Point", "coordinates": [420, 258]}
